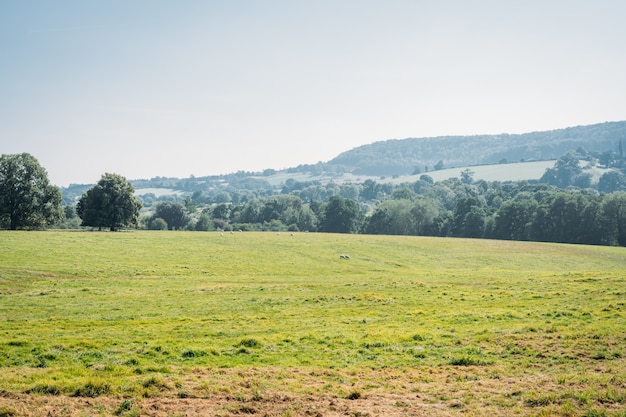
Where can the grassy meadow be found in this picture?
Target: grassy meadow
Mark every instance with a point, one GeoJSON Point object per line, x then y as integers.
{"type": "Point", "coordinates": [466, 327]}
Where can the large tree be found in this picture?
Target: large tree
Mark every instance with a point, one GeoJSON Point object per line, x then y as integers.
{"type": "Point", "coordinates": [514, 219]}
{"type": "Point", "coordinates": [614, 219]}
{"type": "Point", "coordinates": [173, 213]}
{"type": "Point", "coordinates": [110, 203]}
{"type": "Point", "coordinates": [342, 216]}
{"type": "Point", "coordinates": [27, 199]}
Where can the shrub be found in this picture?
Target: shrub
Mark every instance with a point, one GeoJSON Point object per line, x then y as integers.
{"type": "Point", "coordinates": [158, 224]}
{"type": "Point", "coordinates": [126, 405]}
{"type": "Point", "coordinates": [354, 395]}
{"type": "Point", "coordinates": [250, 342]}
{"type": "Point", "coordinates": [190, 353]}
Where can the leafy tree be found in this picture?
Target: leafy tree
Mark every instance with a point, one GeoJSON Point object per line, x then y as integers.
{"type": "Point", "coordinates": [371, 190]}
{"type": "Point", "coordinates": [469, 217]}
{"type": "Point", "coordinates": [564, 173]}
{"type": "Point", "coordinates": [378, 222]}
{"type": "Point", "coordinates": [204, 223]}
{"type": "Point", "coordinates": [424, 213]}
{"type": "Point", "coordinates": [190, 205]}
{"type": "Point", "coordinates": [392, 217]}
{"type": "Point", "coordinates": [70, 212]}
{"type": "Point", "coordinates": [110, 203]}
{"type": "Point", "coordinates": [157, 223]}
{"type": "Point", "coordinates": [444, 224]}
{"type": "Point", "coordinates": [514, 219]}
{"type": "Point", "coordinates": [467, 176]}
{"type": "Point", "coordinates": [607, 158]}
{"type": "Point", "coordinates": [422, 185]}
{"type": "Point", "coordinates": [350, 191]}
{"type": "Point", "coordinates": [251, 212]}
{"type": "Point", "coordinates": [276, 206]}
{"type": "Point", "coordinates": [614, 219]}
{"type": "Point", "coordinates": [443, 193]}
{"type": "Point", "coordinates": [174, 215]}
{"type": "Point", "coordinates": [475, 222]}
{"type": "Point", "coordinates": [222, 211]}
{"type": "Point", "coordinates": [222, 197]}
{"type": "Point", "coordinates": [403, 193]}
{"type": "Point", "coordinates": [427, 178]}
{"type": "Point", "coordinates": [198, 196]}
{"type": "Point", "coordinates": [307, 220]}
{"type": "Point", "coordinates": [612, 181]}
{"type": "Point", "coordinates": [342, 216]}
{"type": "Point", "coordinates": [27, 199]}
{"type": "Point", "coordinates": [566, 217]}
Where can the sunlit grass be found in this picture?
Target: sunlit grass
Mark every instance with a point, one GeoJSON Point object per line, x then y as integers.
{"type": "Point", "coordinates": [187, 314]}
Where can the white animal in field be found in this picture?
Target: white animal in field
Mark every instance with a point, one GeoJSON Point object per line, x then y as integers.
{"type": "Point", "coordinates": [343, 256]}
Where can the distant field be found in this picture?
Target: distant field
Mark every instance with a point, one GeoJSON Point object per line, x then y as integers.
{"type": "Point", "coordinates": [519, 171]}
{"type": "Point", "coordinates": [183, 323]}
{"type": "Point", "coordinates": [158, 192]}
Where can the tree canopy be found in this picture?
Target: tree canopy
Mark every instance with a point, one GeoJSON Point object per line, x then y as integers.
{"type": "Point", "coordinates": [27, 199]}
{"type": "Point", "coordinates": [110, 203]}
{"type": "Point", "coordinates": [342, 216]}
{"type": "Point", "coordinates": [173, 214]}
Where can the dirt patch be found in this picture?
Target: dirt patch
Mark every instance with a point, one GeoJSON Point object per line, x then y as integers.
{"type": "Point", "coordinates": [441, 391]}
{"type": "Point", "coordinates": [371, 405]}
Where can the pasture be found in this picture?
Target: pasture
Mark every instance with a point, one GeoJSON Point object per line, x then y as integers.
{"type": "Point", "coordinates": [184, 323]}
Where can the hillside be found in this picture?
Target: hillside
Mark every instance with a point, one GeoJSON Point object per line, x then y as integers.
{"type": "Point", "coordinates": [490, 157]}
{"type": "Point", "coordinates": [402, 157]}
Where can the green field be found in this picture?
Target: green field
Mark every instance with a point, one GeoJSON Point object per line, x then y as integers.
{"type": "Point", "coordinates": [465, 327]}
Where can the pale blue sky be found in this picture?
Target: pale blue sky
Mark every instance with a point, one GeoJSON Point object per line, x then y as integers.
{"type": "Point", "coordinates": [147, 88]}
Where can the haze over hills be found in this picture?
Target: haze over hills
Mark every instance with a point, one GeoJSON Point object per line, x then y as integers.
{"type": "Point", "coordinates": [403, 157]}
{"type": "Point", "coordinates": [491, 157]}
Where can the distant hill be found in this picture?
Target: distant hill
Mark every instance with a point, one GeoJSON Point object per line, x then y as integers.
{"type": "Point", "coordinates": [407, 156]}
{"type": "Point", "coordinates": [491, 157]}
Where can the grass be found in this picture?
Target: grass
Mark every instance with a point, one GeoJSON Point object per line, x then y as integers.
{"type": "Point", "coordinates": [145, 314]}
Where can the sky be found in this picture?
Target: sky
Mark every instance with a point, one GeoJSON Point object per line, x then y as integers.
{"type": "Point", "coordinates": [147, 88]}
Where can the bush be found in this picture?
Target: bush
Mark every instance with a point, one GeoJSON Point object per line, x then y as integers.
{"type": "Point", "coordinates": [354, 395]}
{"type": "Point", "coordinates": [126, 405]}
{"type": "Point", "coordinates": [203, 224]}
{"type": "Point", "coordinates": [251, 343]}
{"type": "Point", "coordinates": [190, 353]}
{"type": "Point", "coordinates": [158, 224]}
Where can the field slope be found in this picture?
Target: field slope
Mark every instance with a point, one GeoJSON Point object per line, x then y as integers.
{"type": "Point", "coordinates": [169, 323]}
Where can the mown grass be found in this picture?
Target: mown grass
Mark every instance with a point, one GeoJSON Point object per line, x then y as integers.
{"type": "Point", "coordinates": [192, 314]}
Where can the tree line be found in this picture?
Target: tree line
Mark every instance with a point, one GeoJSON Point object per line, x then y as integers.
{"type": "Point", "coordinates": [29, 201]}
{"type": "Point", "coordinates": [513, 211]}
{"type": "Point", "coordinates": [458, 207]}
{"type": "Point", "coordinates": [561, 207]}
